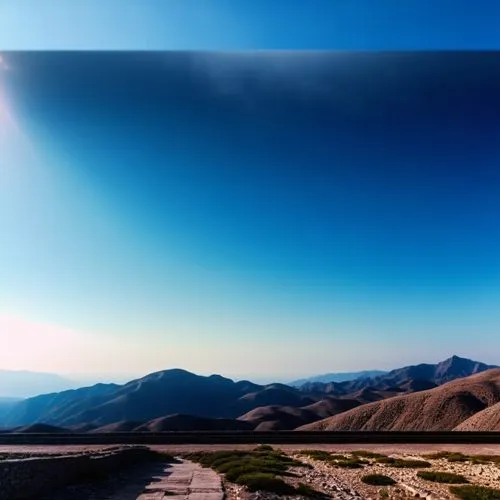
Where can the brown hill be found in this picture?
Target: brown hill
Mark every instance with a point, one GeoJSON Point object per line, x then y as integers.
{"type": "Point", "coordinates": [40, 429]}
{"type": "Point", "coordinates": [408, 379]}
{"type": "Point", "coordinates": [180, 422]}
{"type": "Point", "coordinates": [442, 408]}
{"type": "Point", "coordinates": [279, 418]}
{"type": "Point", "coordinates": [485, 420]}
{"type": "Point", "coordinates": [122, 426]}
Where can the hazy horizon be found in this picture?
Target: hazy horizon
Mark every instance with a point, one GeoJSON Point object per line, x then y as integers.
{"type": "Point", "coordinates": [82, 379]}
{"type": "Point", "coordinates": [270, 213]}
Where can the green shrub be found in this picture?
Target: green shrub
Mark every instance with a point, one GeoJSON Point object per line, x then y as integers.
{"type": "Point", "coordinates": [368, 454]}
{"type": "Point", "coordinates": [409, 464]}
{"type": "Point", "coordinates": [247, 468]}
{"type": "Point", "coordinates": [383, 493]}
{"type": "Point", "coordinates": [454, 455]}
{"type": "Point", "coordinates": [378, 480]}
{"type": "Point", "coordinates": [317, 454]}
{"type": "Point", "coordinates": [266, 482]}
{"type": "Point", "coordinates": [441, 477]}
{"type": "Point", "coordinates": [473, 492]}
{"type": "Point", "coordinates": [222, 464]}
{"type": "Point", "coordinates": [264, 447]}
{"type": "Point", "coordinates": [385, 460]}
{"type": "Point", "coordinates": [306, 490]}
{"type": "Point", "coordinates": [484, 459]}
{"type": "Point", "coordinates": [351, 463]}
{"type": "Point", "coordinates": [260, 463]}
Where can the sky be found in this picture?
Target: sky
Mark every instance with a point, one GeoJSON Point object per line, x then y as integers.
{"type": "Point", "coordinates": [260, 214]}
{"type": "Point", "coordinates": [248, 24]}
{"type": "Point", "coordinates": [264, 215]}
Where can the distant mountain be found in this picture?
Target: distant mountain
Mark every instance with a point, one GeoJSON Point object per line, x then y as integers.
{"type": "Point", "coordinates": [408, 379]}
{"type": "Point", "coordinates": [156, 395]}
{"type": "Point", "coordinates": [39, 428]}
{"type": "Point", "coordinates": [180, 398]}
{"type": "Point", "coordinates": [440, 373]}
{"type": "Point", "coordinates": [337, 377]}
{"type": "Point", "coordinates": [6, 405]}
{"type": "Point", "coordinates": [443, 408]}
{"type": "Point", "coordinates": [56, 407]}
{"type": "Point", "coordinates": [25, 384]}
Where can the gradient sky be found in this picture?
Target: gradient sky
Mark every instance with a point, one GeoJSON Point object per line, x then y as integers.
{"type": "Point", "coordinates": [258, 214]}
{"type": "Point", "coordinates": [249, 24]}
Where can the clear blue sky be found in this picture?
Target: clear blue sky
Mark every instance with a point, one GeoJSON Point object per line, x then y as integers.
{"type": "Point", "coordinates": [249, 214]}
{"type": "Point", "coordinates": [249, 24]}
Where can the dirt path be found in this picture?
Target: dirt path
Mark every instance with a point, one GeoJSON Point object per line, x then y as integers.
{"type": "Point", "coordinates": [182, 481]}
{"type": "Point", "coordinates": [179, 481]}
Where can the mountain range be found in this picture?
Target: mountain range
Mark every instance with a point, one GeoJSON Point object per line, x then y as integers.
{"type": "Point", "coordinates": [450, 394]}
{"type": "Point", "coordinates": [337, 377]}
{"type": "Point", "coordinates": [25, 384]}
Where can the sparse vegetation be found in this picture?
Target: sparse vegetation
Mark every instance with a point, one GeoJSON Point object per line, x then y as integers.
{"type": "Point", "coordinates": [308, 491]}
{"type": "Point", "coordinates": [265, 482]}
{"type": "Point", "coordinates": [264, 447]}
{"type": "Point", "coordinates": [378, 480]}
{"type": "Point", "coordinates": [257, 470]}
{"type": "Point", "coordinates": [455, 456]}
{"type": "Point", "coordinates": [316, 454]}
{"type": "Point", "coordinates": [473, 492]}
{"type": "Point", "coordinates": [401, 463]}
{"type": "Point", "coordinates": [442, 477]}
{"type": "Point", "coordinates": [368, 454]}
{"type": "Point", "coordinates": [350, 463]}
{"type": "Point", "coordinates": [484, 459]}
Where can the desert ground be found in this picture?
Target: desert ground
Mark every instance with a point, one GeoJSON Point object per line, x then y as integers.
{"type": "Point", "coordinates": [471, 449]}
{"type": "Point", "coordinates": [187, 480]}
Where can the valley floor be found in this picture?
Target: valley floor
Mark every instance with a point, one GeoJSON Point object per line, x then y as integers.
{"type": "Point", "coordinates": [189, 481]}
{"type": "Point", "coordinates": [179, 481]}
{"type": "Point", "coordinates": [471, 449]}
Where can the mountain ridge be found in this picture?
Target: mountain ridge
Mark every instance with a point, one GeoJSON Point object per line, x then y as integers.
{"type": "Point", "coordinates": [273, 406]}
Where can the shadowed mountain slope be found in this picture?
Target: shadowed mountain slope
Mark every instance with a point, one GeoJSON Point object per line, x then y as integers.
{"type": "Point", "coordinates": [180, 422]}
{"type": "Point", "coordinates": [40, 428]}
{"type": "Point", "coordinates": [407, 379]}
{"type": "Point", "coordinates": [442, 408]}
{"type": "Point", "coordinates": [179, 392]}
{"type": "Point", "coordinates": [156, 395]}
{"type": "Point", "coordinates": [484, 420]}
{"type": "Point", "coordinates": [337, 377]}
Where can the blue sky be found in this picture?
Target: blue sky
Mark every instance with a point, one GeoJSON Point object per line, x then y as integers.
{"type": "Point", "coordinates": [249, 24]}
{"type": "Point", "coordinates": [222, 212]}
{"type": "Point", "coordinates": [267, 215]}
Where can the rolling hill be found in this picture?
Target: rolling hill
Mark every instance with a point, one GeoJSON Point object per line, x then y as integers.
{"type": "Point", "coordinates": [184, 399]}
{"type": "Point", "coordinates": [180, 422]}
{"type": "Point", "coordinates": [162, 393]}
{"type": "Point", "coordinates": [337, 377]}
{"type": "Point", "coordinates": [484, 420]}
{"type": "Point", "coordinates": [442, 408]}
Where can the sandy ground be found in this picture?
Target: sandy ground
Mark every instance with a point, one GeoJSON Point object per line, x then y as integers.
{"type": "Point", "coordinates": [330, 479]}
{"type": "Point", "coordinates": [338, 483]}
{"type": "Point", "coordinates": [472, 449]}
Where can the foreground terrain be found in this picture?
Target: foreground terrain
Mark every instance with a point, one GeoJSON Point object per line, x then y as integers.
{"type": "Point", "coordinates": [267, 473]}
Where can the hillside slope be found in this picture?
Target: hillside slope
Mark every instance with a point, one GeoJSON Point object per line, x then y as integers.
{"type": "Point", "coordinates": [485, 420]}
{"type": "Point", "coordinates": [405, 379]}
{"type": "Point", "coordinates": [441, 408]}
